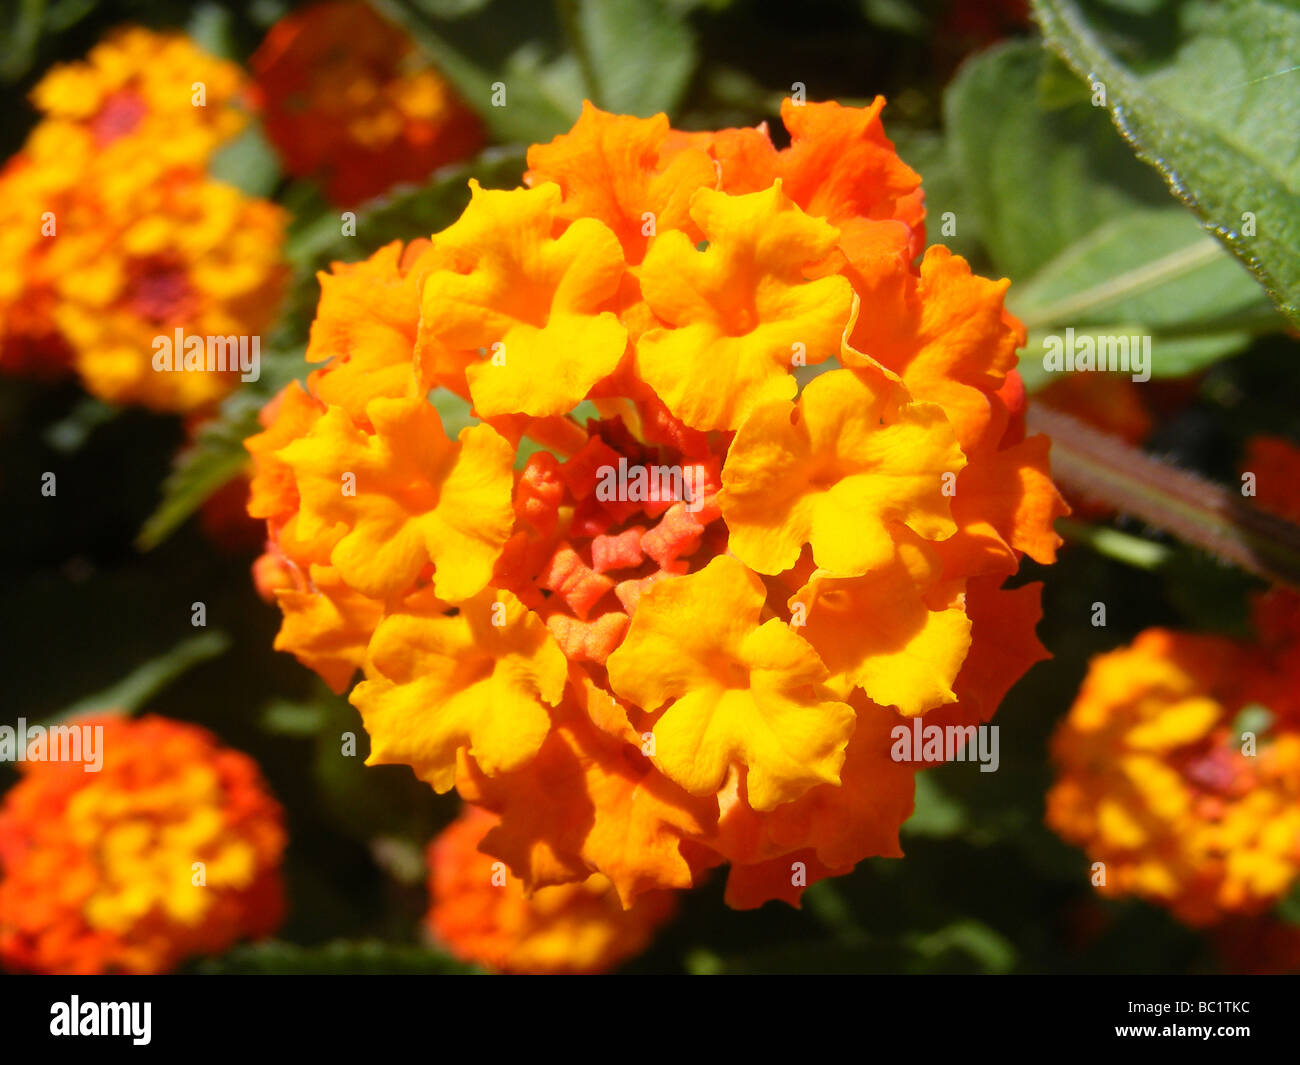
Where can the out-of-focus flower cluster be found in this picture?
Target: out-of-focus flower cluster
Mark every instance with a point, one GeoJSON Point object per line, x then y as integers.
{"type": "Point", "coordinates": [680, 634]}
{"type": "Point", "coordinates": [481, 915]}
{"type": "Point", "coordinates": [113, 234]}
{"type": "Point", "coordinates": [346, 98]}
{"type": "Point", "coordinates": [1180, 759]}
{"type": "Point", "coordinates": [1158, 784]}
{"type": "Point", "coordinates": [170, 849]}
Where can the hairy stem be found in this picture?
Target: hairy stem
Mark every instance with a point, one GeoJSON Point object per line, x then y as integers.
{"type": "Point", "coordinates": [1202, 513]}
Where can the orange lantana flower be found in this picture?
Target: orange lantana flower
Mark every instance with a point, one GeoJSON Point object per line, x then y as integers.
{"type": "Point", "coordinates": [117, 249]}
{"type": "Point", "coordinates": [480, 914]}
{"type": "Point", "coordinates": [407, 496]}
{"type": "Point", "coordinates": [154, 845]}
{"type": "Point", "coordinates": [768, 480]}
{"type": "Point", "coordinates": [846, 466]}
{"type": "Point", "coordinates": [501, 285]}
{"type": "Point", "coordinates": [344, 97]}
{"type": "Point", "coordinates": [1180, 759]}
{"type": "Point", "coordinates": [482, 681]}
{"type": "Point", "coordinates": [1160, 785]}
{"type": "Point", "coordinates": [744, 298]}
{"type": "Point", "coordinates": [141, 89]}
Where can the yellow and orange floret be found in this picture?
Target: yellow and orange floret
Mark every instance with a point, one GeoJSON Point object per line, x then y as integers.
{"type": "Point", "coordinates": [113, 234]}
{"type": "Point", "coordinates": [480, 914]}
{"type": "Point", "coordinates": [1179, 762]}
{"type": "Point", "coordinates": [169, 850]}
{"type": "Point", "coordinates": [345, 97]}
{"type": "Point", "coordinates": [648, 687]}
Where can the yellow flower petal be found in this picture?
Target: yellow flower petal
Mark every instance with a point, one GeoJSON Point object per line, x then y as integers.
{"type": "Point", "coordinates": [530, 306]}
{"type": "Point", "coordinates": [481, 680]}
{"type": "Point", "coordinates": [327, 627]}
{"type": "Point", "coordinates": [738, 693]}
{"type": "Point", "coordinates": [838, 470]}
{"type": "Point", "coordinates": [743, 313]}
{"type": "Point", "coordinates": [877, 632]}
{"type": "Point", "coordinates": [419, 497]}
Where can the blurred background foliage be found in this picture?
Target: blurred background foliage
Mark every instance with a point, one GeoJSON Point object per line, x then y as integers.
{"type": "Point", "coordinates": [1007, 131]}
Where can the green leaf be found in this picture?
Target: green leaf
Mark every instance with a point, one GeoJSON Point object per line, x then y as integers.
{"type": "Point", "coordinates": [1120, 272]}
{"type": "Point", "coordinates": [70, 433]}
{"type": "Point", "coordinates": [146, 680]}
{"type": "Point", "coordinates": [640, 54]}
{"type": "Point", "coordinates": [1148, 272]}
{"type": "Point", "coordinates": [1085, 231]}
{"type": "Point", "coordinates": [367, 956]}
{"type": "Point", "coordinates": [62, 15]}
{"type": "Point", "coordinates": [455, 411]}
{"type": "Point", "coordinates": [988, 949]}
{"type": "Point", "coordinates": [896, 15]}
{"type": "Point", "coordinates": [211, 27]}
{"type": "Point", "coordinates": [945, 192]}
{"type": "Point", "coordinates": [285, 717]}
{"type": "Point", "coordinates": [1210, 597]}
{"type": "Point", "coordinates": [555, 87]}
{"type": "Point", "coordinates": [451, 9]}
{"type": "Point", "coordinates": [963, 946]}
{"type": "Point", "coordinates": [700, 961]}
{"type": "Point", "coordinates": [213, 460]}
{"type": "Point", "coordinates": [1040, 168]}
{"type": "Point", "coordinates": [1218, 121]}
{"type": "Point", "coordinates": [935, 814]}
{"type": "Point", "coordinates": [1252, 718]}
{"type": "Point", "coordinates": [825, 901]}
{"type": "Point", "coordinates": [248, 162]}
{"type": "Point", "coordinates": [403, 213]}
{"type": "Point", "coordinates": [1112, 543]}
{"type": "Point", "coordinates": [1289, 908]}
{"type": "Point", "coordinates": [18, 42]}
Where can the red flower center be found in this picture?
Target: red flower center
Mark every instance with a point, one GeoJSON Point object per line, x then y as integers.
{"type": "Point", "coordinates": [120, 114]}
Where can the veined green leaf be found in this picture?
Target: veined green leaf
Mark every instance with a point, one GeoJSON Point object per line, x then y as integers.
{"type": "Point", "coordinates": [1149, 272]}
{"type": "Point", "coordinates": [403, 213]}
{"type": "Point", "coordinates": [1218, 121]}
{"type": "Point", "coordinates": [1040, 168]}
{"type": "Point", "coordinates": [640, 54]}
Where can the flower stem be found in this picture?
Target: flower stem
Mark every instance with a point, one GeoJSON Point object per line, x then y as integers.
{"type": "Point", "coordinates": [1210, 516]}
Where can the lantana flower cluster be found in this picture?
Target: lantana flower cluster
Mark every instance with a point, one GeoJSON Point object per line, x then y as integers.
{"type": "Point", "coordinates": [345, 97]}
{"type": "Point", "coordinates": [743, 487]}
{"type": "Point", "coordinates": [479, 914]}
{"type": "Point", "coordinates": [1179, 761]}
{"type": "Point", "coordinates": [112, 233]}
{"type": "Point", "coordinates": [168, 849]}
{"type": "Point", "coordinates": [1160, 785]}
